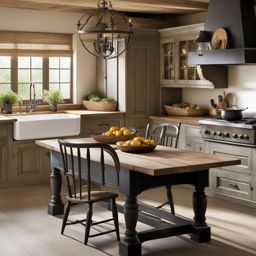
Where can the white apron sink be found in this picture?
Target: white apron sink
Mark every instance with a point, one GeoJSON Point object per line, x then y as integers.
{"type": "Point", "coordinates": [45, 126]}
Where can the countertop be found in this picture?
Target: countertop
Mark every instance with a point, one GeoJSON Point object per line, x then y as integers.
{"type": "Point", "coordinates": [178, 119]}
{"type": "Point", "coordinates": [9, 118]}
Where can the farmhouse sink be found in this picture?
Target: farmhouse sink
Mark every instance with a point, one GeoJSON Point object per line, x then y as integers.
{"type": "Point", "coordinates": [45, 126]}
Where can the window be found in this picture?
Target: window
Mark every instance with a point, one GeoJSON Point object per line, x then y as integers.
{"type": "Point", "coordinates": [40, 58]}
{"type": "Point", "coordinates": [5, 73]}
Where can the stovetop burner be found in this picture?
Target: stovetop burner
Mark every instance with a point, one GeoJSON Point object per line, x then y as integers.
{"type": "Point", "coordinates": [243, 121]}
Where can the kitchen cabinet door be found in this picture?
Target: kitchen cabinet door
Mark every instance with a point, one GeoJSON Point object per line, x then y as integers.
{"type": "Point", "coordinates": [4, 160]}
{"type": "Point", "coordinates": [30, 163]}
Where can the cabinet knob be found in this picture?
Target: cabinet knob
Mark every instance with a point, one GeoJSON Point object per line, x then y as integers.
{"type": "Point", "coordinates": [234, 135]}
{"type": "Point", "coordinates": [241, 136]}
{"type": "Point", "coordinates": [207, 132]}
{"type": "Point", "coordinates": [246, 137]}
{"type": "Point", "coordinates": [219, 133]}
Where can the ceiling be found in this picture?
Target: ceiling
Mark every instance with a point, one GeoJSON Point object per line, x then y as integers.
{"type": "Point", "coordinates": [131, 6]}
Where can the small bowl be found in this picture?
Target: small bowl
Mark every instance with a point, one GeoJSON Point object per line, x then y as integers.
{"type": "Point", "coordinates": [144, 149]}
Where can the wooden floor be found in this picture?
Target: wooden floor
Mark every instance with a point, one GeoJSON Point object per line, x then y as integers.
{"type": "Point", "coordinates": [27, 230]}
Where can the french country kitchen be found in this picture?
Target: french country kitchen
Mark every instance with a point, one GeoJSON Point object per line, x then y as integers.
{"type": "Point", "coordinates": [127, 127]}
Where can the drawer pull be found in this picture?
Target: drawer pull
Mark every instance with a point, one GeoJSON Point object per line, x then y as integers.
{"type": "Point", "coordinates": [235, 186]}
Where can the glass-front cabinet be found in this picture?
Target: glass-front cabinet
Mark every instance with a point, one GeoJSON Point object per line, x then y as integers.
{"type": "Point", "coordinates": [176, 43]}
{"type": "Point", "coordinates": [167, 62]}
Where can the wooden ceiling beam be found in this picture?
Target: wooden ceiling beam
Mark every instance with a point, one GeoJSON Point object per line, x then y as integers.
{"type": "Point", "coordinates": [139, 6]}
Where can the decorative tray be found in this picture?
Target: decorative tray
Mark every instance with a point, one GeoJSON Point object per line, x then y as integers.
{"type": "Point", "coordinates": [143, 149]}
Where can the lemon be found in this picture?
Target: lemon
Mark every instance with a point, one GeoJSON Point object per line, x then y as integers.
{"type": "Point", "coordinates": [127, 143]}
{"type": "Point", "coordinates": [120, 143]}
{"type": "Point", "coordinates": [108, 133]}
{"type": "Point", "coordinates": [118, 133]}
{"type": "Point", "coordinates": [113, 128]}
{"type": "Point", "coordinates": [126, 132]}
{"type": "Point", "coordinates": [135, 143]}
{"type": "Point", "coordinates": [141, 139]}
{"type": "Point", "coordinates": [123, 128]}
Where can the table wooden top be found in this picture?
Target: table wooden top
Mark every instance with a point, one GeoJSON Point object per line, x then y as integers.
{"type": "Point", "coordinates": [162, 161]}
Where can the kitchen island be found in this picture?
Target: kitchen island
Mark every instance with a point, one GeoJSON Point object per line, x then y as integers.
{"type": "Point", "coordinates": [140, 172]}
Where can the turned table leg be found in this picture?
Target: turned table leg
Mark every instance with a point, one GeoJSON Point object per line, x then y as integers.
{"type": "Point", "coordinates": [130, 245]}
{"type": "Point", "coordinates": [202, 232]}
{"type": "Point", "coordinates": [55, 205]}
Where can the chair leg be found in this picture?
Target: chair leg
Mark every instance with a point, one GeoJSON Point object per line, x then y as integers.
{"type": "Point", "coordinates": [88, 223]}
{"type": "Point", "coordinates": [65, 217]}
{"type": "Point", "coordinates": [115, 217]}
{"type": "Point", "coordinates": [170, 198]}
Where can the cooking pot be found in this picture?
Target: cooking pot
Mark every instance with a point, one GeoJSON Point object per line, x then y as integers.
{"type": "Point", "coordinates": [232, 114]}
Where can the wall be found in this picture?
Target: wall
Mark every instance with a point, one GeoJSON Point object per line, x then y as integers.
{"type": "Point", "coordinates": [84, 72]}
{"type": "Point", "coordinates": [242, 79]}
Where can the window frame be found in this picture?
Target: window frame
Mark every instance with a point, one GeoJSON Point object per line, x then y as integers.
{"type": "Point", "coordinates": [36, 44]}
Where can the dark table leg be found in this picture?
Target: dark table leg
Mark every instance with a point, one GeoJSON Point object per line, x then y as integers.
{"type": "Point", "coordinates": [55, 206]}
{"type": "Point", "coordinates": [202, 232]}
{"type": "Point", "coordinates": [130, 245]}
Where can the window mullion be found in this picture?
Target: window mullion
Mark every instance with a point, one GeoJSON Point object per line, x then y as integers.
{"type": "Point", "coordinates": [46, 73]}
{"type": "Point", "coordinates": [14, 74]}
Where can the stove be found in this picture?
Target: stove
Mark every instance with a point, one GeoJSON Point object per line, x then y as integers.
{"type": "Point", "coordinates": [241, 132]}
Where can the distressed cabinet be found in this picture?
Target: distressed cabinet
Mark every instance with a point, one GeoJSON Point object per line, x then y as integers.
{"type": "Point", "coordinates": [90, 126]}
{"type": "Point", "coordinates": [190, 138]}
{"type": "Point", "coordinates": [234, 181]}
{"type": "Point", "coordinates": [30, 163]}
{"type": "Point", "coordinates": [4, 153]}
{"type": "Point", "coordinates": [133, 78]}
{"type": "Point", "coordinates": [175, 44]}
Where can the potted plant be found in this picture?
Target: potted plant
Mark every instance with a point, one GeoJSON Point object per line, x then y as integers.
{"type": "Point", "coordinates": [96, 101]}
{"type": "Point", "coordinates": [7, 100]}
{"type": "Point", "coordinates": [53, 98]}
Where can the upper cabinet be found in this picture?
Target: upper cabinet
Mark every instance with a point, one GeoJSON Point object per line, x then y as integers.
{"type": "Point", "coordinates": [175, 44]}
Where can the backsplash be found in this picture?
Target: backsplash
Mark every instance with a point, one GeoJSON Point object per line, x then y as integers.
{"type": "Point", "coordinates": [242, 82]}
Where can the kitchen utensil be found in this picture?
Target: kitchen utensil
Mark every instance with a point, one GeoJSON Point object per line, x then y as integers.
{"type": "Point", "coordinates": [232, 114]}
{"type": "Point", "coordinates": [231, 99]}
{"type": "Point", "coordinates": [221, 102]}
{"type": "Point", "coordinates": [219, 39]}
{"type": "Point", "coordinates": [213, 104]}
{"type": "Point", "coordinates": [213, 111]}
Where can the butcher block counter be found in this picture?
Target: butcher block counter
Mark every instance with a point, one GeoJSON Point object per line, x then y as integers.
{"type": "Point", "coordinates": [178, 119]}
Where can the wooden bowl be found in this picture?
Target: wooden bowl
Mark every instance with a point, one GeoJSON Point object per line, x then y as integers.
{"type": "Point", "coordinates": [113, 139]}
{"type": "Point", "coordinates": [144, 149]}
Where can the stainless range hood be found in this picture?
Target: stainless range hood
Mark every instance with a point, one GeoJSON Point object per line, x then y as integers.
{"type": "Point", "coordinates": [238, 18]}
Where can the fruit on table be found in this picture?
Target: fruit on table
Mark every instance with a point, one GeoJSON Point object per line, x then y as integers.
{"type": "Point", "coordinates": [137, 142]}
{"type": "Point", "coordinates": [116, 131]}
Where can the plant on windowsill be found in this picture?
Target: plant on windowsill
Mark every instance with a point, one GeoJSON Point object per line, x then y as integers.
{"type": "Point", "coordinates": [96, 101]}
{"type": "Point", "coordinates": [53, 98]}
{"type": "Point", "coordinates": [7, 99]}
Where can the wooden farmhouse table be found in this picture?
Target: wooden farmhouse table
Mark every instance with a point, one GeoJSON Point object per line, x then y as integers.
{"type": "Point", "coordinates": [140, 172]}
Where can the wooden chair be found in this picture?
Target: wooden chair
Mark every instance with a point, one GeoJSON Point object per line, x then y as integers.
{"type": "Point", "coordinates": [74, 166]}
{"type": "Point", "coordinates": [165, 134]}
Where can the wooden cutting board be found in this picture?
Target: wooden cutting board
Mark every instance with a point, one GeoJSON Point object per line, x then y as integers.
{"type": "Point", "coordinates": [219, 39]}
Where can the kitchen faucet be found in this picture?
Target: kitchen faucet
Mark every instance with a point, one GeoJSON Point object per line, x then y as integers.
{"type": "Point", "coordinates": [32, 102]}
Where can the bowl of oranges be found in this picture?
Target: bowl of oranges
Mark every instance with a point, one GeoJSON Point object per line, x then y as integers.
{"type": "Point", "coordinates": [115, 134]}
{"type": "Point", "coordinates": [136, 145]}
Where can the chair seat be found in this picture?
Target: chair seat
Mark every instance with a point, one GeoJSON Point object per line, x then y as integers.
{"type": "Point", "coordinates": [95, 197]}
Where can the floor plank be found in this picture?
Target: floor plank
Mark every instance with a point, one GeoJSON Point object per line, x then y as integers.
{"type": "Point", "coordinates": [27, 230]}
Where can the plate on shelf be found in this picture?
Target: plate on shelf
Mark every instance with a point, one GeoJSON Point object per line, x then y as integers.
{"type": "Point", "coordinates": [219, 39]}
{"type": "Point", "coordinates": [143, 149]}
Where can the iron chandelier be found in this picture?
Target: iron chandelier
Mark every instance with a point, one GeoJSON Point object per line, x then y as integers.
{"type": "Point", "coordinates": [100, 29]}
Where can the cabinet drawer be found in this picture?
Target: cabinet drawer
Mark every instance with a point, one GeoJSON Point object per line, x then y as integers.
{"type": "Point", "coordinates": [3, 130]}
{"type": "Point", "coordinates": [231, 186]}
{"type": "Point", "coordinates": [192, 132]}
{"type": "Point", "coordinates": [242, 153]}
{"type": "Point", "coordinates": [96, 126]}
